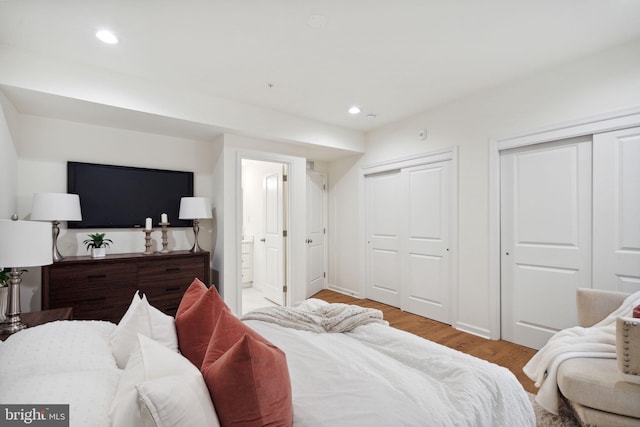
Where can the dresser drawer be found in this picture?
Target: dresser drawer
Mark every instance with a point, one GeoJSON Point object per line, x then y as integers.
{"type": "Point", "coordinates": [172, 270]}
{"type": "Point", "coordinates": [94, 275]}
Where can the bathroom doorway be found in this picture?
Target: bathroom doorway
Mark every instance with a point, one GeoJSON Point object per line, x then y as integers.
{"type": "Point", "coordinates": [264, 225]}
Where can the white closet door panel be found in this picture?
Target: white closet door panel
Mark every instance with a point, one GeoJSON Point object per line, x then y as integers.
{"type": "Point", "coordinates": [616, 240]}
{"type": "Point", "coordinates": [384, 221]}
{"type": "Point", "coordinates": [427, 240]}
{"type": "Point", "coordinates": [546, 243]}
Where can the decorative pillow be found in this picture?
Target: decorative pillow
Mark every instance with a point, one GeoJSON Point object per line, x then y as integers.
{"type": "Point", "coordinates": [228, 331]}
{"type": "Point", "coordinates": [250, 385]}
{"type": "Point", "coordinates": [160, 387]}
{"type": "Point", "coordinates": [196, 320]}
{"type": "Point", "coordinates": [177, 400]}
{"type": "Point", "coordinates": [141, 318]}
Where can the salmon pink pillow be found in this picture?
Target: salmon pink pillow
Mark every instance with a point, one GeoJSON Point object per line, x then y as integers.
{"type": "Point", "coordinates": [196, 318]}
{"type": "Point", "coordinates": [249, 385]}
{"type": "Point", "coordinates": [228, 331]}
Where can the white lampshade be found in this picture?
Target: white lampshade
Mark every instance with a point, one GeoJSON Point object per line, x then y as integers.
{"type": "Point", "coordinates": [25, 243]}
{"type": "Point", "coordinates": [195, 208]}
{"type": "Point", "coordinates": [56, 207]}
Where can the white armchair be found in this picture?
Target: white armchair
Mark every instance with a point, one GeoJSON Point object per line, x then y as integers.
{"type": "Point", "coordinates": [604, 392]}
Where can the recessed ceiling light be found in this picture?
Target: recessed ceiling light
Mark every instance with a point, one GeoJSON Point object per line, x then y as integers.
{"type": "Point", "coordinates": [371, 116]}
{"type": "Point", "coordinates": [106, 36]}
{"type": "Point", "coordinates": [354, 110]}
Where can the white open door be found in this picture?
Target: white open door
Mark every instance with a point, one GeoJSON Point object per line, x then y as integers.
{"type": "Point", "coordinates": [616, 216]}
{"type": "Point", "coordinates": [545, 237]}
{"type": "Point", "coordinates": [316, 233]}
{"type": "Point", "coordinates": [384, 214]}
{"type": "Point", "coordinates": [274, 238]}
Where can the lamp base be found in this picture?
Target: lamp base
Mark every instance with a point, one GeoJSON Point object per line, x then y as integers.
{"type": "Point", "coordinates": [196, 229]}
{"type": "Point", "coordinates": [12, 324]}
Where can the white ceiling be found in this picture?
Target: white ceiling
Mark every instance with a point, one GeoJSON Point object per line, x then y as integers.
{"type": "Point", "coordinates": [392, 58]}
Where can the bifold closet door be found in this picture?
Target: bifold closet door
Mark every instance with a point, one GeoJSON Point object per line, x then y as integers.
{"type": "Point", "coordinates": [616, 215]}
{"type": "Point", "coordinates": [545, 237]}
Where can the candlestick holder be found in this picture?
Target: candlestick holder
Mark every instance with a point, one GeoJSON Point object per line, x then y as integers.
{"type": "Point", "coordinates": [147, 242]}
{"type": "Point", "coordinates": [165, 239]}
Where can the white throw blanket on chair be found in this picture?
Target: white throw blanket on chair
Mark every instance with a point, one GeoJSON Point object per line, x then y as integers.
{"type": "Point", "coordinates": [598, 340]}
{"type": "Point", "coordinates": [317, 316]}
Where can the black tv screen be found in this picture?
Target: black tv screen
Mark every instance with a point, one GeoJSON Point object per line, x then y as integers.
{"type": "Point", "coordinates": [123, 197]}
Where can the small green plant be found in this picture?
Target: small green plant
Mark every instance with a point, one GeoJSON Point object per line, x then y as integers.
{"type": "Point", "coordinates": [4, 277]}
{"type": "Point", "coordinates": [97, 240]}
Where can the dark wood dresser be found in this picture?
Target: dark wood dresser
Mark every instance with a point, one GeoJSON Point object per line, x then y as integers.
{"type": "Point", "coordinates": [102, 288]}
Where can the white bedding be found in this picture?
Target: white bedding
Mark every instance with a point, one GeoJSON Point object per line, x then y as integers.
{"type": "Point", "coordinates": [374, 375]}
{"type": "Point", "coordinates": [378, 375]}
{"type": "Point", "coordinates": [64, 362]}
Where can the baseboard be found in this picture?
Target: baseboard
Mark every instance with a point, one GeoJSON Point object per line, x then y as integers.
{"type": "Point", "coordinates": [473, 330]}
{"type": "Point", "coordinates": [345, 291]}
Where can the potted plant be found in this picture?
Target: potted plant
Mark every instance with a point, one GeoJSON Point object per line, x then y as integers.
{"type": "Point", "coordinates": [98, 244]}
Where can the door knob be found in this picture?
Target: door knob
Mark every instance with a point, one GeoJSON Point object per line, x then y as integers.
{"type": "Point", "coordinates": [263, 240]}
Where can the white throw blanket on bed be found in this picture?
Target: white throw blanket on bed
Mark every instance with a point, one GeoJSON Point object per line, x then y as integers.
{"type": "Point", "coordinates": [318, 316]}
{"type": "Point", "coordinates": [598, 340]}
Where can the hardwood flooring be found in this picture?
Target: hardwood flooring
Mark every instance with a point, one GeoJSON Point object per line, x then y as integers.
{"type": "Point", "coordinates": [503, 353]}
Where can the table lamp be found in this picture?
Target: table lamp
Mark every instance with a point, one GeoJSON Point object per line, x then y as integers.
{"type": "Point", "coordinates": [56, 207]}
{"type": "Point", "coordinates": [195, 208]}
{"type": "Point", "coordinates": [24, 244]}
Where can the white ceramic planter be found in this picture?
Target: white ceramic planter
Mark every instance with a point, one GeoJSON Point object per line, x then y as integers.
{"type": "Point", "coordinates": [98, 252]}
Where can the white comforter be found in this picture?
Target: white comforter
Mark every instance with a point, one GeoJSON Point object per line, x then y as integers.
{"type": "Point", "coordinates": [380, 376]}
{"type": "Point", "coordinates": [373, 376]}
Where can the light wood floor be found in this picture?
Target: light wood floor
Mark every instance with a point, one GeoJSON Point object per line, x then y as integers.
{"type": "Point", "coordinates": [503, 353]}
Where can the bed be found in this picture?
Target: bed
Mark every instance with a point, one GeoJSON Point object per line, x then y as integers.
{"type": "Point", "coordinates": [206, 367]}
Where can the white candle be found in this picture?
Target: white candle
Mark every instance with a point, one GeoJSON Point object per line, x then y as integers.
{"type": "Point", "coordinates": [147, 225]}
{"type": "Point", "coordinates": [163, 218]}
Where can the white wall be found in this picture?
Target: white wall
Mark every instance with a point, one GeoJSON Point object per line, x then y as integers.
{"type": "Point", "coordinates": [602, 83]}
{"type": "Point", "coordinates": [44, 147]}
{"type": "Point", "coordinates": [8, 159]}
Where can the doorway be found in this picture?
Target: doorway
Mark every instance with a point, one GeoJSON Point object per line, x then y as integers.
{"type": "Point", "coordinates": [264, 225]}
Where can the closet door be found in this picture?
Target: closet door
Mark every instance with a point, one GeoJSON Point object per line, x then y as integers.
{"type": "Point", "coordinates": [545, 237]}
{"type": "Point", "coordinates": [616, 215]}
{"type": "Point", "coordinates": [384, 218]}
{"type": "Point", "coordinates": [426, 282]}
{"type": "Point", "coordinates": [409, 220]}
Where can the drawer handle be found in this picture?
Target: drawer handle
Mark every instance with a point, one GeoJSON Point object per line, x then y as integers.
{"type": "Point", "coordinates": [172, 269]}
{"type": "Point", "coordinates": [96, 276]}
{"type": "Point", "coordinates": [174, 288]}
{"type": "Point", "coordinates": [102, 298]}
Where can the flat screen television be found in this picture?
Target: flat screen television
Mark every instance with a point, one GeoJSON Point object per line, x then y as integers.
{"type": "Point", "coordinates": [123, 197]}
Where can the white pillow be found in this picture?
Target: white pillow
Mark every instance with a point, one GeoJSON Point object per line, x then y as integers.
{"type": "Point", "coordinates": [141, 318]}
{"type": "Point", "coordinates": [176, 401]}
{"type": "Point", "coordinates": [160, 387]}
